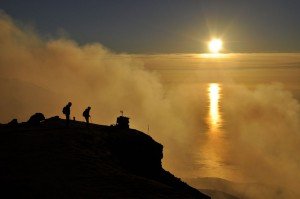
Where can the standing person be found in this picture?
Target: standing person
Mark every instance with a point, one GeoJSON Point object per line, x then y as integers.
{"type": "Point", "coordinates": [67, 111]}
{"type": "Point", "coordinates": [86, 115]}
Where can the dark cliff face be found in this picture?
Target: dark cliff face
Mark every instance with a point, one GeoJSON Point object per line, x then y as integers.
{"type": "Point", "coordinates": [135, 151]}
{"type": "Point", "coordinates": [52, 161]}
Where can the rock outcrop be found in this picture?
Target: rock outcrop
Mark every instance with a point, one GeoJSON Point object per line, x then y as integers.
{"type": "Point", "coordinates": [36, 119]}
{"type": "Point", "coordinates": [12, 123]}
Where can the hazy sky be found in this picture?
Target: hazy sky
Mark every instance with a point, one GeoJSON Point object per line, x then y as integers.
{"type": "Point", "coordinates": [166, 26]}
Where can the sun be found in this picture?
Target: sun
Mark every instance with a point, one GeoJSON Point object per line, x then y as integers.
{"type": "Point", "coordinates": [215, 46]}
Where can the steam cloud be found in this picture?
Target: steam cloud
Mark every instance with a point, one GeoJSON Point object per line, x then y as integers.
{"type": "Point", "coordinates": [42, 76]}
{"type": "Point", "coordinates": [264, 127]}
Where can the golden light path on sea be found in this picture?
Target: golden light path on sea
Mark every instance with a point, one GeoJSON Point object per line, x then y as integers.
{"type": "Point", "coordinates": [214, 147]}
{"type": "Point", "coordinates": [214, 119]}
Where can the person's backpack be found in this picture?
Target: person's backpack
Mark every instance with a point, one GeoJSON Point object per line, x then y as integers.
{"type": "Point", "coordinates": [85, 113]}
{"type": "Point", "coordinates": [64, 110]}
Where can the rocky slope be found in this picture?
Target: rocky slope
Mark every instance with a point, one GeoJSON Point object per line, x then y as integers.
{"type": "Point", "coordinates": [52, 161]}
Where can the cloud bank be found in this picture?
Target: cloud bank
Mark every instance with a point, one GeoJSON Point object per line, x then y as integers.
{"type": "Point", "coordinates": [264, 131]}
{"type": "Point", "coordinates": [43, 75]}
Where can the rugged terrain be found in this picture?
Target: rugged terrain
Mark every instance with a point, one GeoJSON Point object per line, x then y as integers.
{"type": "Point", "coordinates": [50, 160]}
{"type": "Point", "coordinates": [219, 188]}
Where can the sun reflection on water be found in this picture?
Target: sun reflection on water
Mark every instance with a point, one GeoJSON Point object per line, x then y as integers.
{"type": "Point", "coordinates": [214, 117]}
{"type": "Point", "coordinates": [213, 149]}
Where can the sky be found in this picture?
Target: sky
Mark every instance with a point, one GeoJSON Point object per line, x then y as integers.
{"type": "Point", "coordinates": [165, 26]}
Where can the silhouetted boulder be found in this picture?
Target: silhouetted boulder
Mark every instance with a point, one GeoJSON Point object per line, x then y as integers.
{"type": "Point", "coordinates": [36, 119]}
{"type": "Point", "coordinates": [13, 123]}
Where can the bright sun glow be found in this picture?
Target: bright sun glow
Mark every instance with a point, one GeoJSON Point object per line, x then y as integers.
{"type": "Point", "coordinates": [215, 45]}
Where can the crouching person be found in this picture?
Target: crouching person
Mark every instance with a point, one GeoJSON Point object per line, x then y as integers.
{"type": "Point", "coordinates": [86, 115]}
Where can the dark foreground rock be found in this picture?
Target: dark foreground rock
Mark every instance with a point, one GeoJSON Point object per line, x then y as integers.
{"type": "Point", "coordinates": [52, 161]}
{"type": "Point", "coordinates": [36, 119]}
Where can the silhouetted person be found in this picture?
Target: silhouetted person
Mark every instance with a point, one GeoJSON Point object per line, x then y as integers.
{"type": "Point", "coordinates": [67, 112]}
{"type": "Point", "coordinates": [86, 115]}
